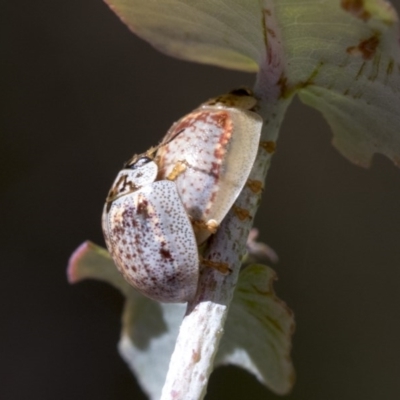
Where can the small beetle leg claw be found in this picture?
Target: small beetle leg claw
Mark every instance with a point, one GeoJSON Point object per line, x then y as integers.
{"type": "Point", "coordinates": [219, 266]}
{"type": "Point", "coordinates": [211, 225]}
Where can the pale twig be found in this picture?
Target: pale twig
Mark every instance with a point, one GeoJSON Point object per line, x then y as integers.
{"type": "Point", "coordinates": [203, 325]}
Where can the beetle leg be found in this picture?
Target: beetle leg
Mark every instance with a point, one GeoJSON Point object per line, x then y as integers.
{"type": "Point", "coordinates": [211, 225]}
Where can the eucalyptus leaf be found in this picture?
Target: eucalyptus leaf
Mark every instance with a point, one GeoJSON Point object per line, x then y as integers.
{"type": "Point", "coordinates": [149, 328]}
{"type": "Point", "coordinates": [257, 331]}
{"type": "Point", "coordinates": [149, 332]}
{"type": "Point", "coordinates": [224, 33]}
{"type": "Point", "coordinates": [90, 261]}
{"type": "Point", "coordinates": [342, 57]}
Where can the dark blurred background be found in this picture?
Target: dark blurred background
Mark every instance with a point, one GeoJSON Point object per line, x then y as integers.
{"type": "Point", "coordinates": [80, 95]}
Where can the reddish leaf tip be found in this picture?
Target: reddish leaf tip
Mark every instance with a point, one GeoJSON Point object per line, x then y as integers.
{"type": "Point", "coordinates": [73, 262]}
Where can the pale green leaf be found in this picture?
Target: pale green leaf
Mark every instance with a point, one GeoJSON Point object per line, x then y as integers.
{"type": "Point", "coordinates": [344, 59]}
{"type": "Point", "coordinates": [149, 332]}
{"type": "Point", "coordinates": [224, 33]}
{"type": "Point", "coordinates": [149, 328]}
{"type": "Point", "coordinates": [258, 331]}
{"type": "Point", "coordinates": [90, 261]}
{"type": "Point", "coordinates": [342, 56]}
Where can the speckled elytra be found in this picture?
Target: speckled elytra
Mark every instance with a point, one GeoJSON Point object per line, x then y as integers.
{"type": "Point", "coordinates": [149, 235]}
{"type": "Point", "coordinates": [169, 200]}
{"type": "Point", "coordinates": [209, 154]}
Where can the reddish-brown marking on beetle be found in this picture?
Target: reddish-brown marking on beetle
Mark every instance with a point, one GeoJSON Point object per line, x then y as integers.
{"type": "Point", "coordinates": [356, 8]}
{"type": "Point", "coordinates": [142, 207]}
{"type": "Point", "coordinates": [164, 253]}
{"type": "Point", "coordinates": [222, 119]}
{"type": "Point", "coordinates": [219, 119]}
{"type": "Point", "coordinates": [118, 231]}
{"type": "Point", "coordinates": [214, 170]}
{"type": "Point", "coordinates": [269, 146]}
{"type": "Point", "coordinates": [202, 116]}
{"type": "Point", "coordinates": [366, 48]}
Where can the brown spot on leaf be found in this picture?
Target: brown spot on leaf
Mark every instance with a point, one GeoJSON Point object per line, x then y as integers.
{"type": "Point", "coordinates": [356, 8]}
{"type": "Point", "coordinates": [271, 32]}
{"type": "Point", "coordinates": [365, 48]}
{"type": "Point", "coordinates": [283, 84]}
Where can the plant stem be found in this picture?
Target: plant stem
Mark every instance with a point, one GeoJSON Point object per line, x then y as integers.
{"type": "Point", "coordinates": [203, 325]}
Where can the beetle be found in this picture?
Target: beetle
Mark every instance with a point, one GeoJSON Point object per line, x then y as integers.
{"type": "Point", "coordinates": [209, 154]}
{"type": "Point", "coordinates": [149, 235]}
{"type": "Point", "coordinates": [167, 201]}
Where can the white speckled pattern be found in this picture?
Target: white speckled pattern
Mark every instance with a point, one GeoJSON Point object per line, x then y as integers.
{"type": "Point", "coordinates": [216, 144]}
{"type": "Point", "coordinates": [149, 235]}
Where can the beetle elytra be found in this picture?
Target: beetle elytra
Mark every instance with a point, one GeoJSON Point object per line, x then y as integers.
{"type": "Point", "coordinates": [209, 154]}
{"type": "Point", "coordinates": [149, 234]}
